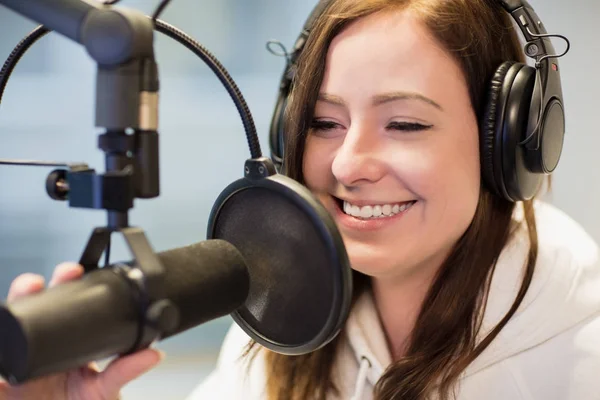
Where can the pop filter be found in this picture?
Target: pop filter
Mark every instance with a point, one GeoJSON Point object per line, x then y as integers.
{"type": "Point", "coordinates": [300, 276]}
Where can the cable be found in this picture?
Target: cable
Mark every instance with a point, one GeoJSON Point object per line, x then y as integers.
{"type": "Point", "coordinates": [17, 53]}
{"type": "Point", "coordinates": [34, 163]}
{"type": "Point", "coordinates": [550, 35]}
{"type": "Point", "coordinates": [107, 252]}
{"type": "Point", "coordinates": [538, 63]}
{"type": "Point", "coordinates": [182, 38]}
{"type": "Point", "coordinates": [163, 4]}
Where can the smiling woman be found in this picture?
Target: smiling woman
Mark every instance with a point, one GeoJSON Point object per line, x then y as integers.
{"type": "Point", "coordinates": [402, 134]}
{"type": "Point", "coordinates": [390, 123]}
{"type": "Point", "coordinates": [412, 121]}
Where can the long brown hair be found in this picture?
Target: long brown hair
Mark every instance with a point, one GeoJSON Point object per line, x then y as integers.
{"type": "Point", "coordinates": [444, 340]}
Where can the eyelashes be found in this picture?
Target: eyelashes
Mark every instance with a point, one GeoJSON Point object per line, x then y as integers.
{"type": "Point", "coordinates": [324, 125]}
{"type": "Point", "coordinates": [408, 126]}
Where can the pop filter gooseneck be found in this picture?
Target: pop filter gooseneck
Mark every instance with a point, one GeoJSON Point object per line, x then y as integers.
{"type": "Point", "coordinates": [300, 278]}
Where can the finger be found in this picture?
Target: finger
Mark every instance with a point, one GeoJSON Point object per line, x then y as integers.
{"type": "Point", "coordinates": [4, 390]}
{"type": "Point", "coordinates": [66, 272]}
{"type": "Point", "coordinates": [125, 369]}
{"type": "Point", "coordinates": [25, 284]}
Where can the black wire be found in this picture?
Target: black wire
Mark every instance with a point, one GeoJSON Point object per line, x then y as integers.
{"type": "Point", "coordinates": [33, 163]}
{"type": "Point", "coordinates": [160, 9]}
{"type": "Point", "coordinates": [539, 82]}
{"type": "Point", "coordinates": [17, 53]}
{"type": "Point", "coordinates": [550, 35]}
{"type": "Point", "coordinates": [539, 118]}
{"type": "Point", "coordinates": [182, 38]}
{"type": "Point", "coordinates": [107, 252]}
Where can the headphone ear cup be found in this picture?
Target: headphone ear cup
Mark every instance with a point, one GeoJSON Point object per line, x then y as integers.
{"type": "Point", "coordinates": [490, 131]}
{"type": "Point", "coordinates": [505, 125]}
{"type": "Point", "coordinates": [276, 132]}
{"type": "Point", "coordinates": [281, 129]}
{"type": "Point", "coordinates": [520, 119]}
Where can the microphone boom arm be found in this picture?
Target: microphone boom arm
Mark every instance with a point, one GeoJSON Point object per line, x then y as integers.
{"type": "Point", "coordinates": [121, 41]}
{"type": "Point", "coordinates": [63, 16]}
{"type": "Point", "coordinates": [111, 35]}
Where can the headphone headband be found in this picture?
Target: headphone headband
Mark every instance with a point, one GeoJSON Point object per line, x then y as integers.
{"type": "Point", "coordinates": [511, 5]}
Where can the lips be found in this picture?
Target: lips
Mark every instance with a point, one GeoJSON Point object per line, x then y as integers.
{"type": "Point", "coordinates": [369, 215]}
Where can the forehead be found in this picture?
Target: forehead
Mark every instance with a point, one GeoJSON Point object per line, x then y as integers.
{"type": "Point", "coordinates": [389, 49]}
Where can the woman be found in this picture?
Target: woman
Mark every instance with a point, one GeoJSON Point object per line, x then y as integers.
{"type": "Point", "coordinates": [459, 291]}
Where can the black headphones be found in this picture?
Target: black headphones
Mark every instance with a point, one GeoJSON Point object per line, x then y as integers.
{"type": "Point", "coordinates": [523, 123]}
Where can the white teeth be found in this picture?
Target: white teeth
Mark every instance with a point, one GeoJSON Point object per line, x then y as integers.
{"type": "Point", "coordinates": [377, 211]}
{"type": "Point", "coordinates": [366, 212]}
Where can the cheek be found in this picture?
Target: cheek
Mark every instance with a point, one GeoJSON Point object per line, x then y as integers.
{"type": "Point", "coordinates": [457, 168]}
{"type": "Point", "coordinates": [454, 182]}
{"type": "Point", "coordinates": [316, 164]}
{"type": "Point", "coordinates": [444, 173]}
{"type": "Point", "coordinates": [466, 163]}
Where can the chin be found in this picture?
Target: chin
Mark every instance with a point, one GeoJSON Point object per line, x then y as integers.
{"type": "Point", "coordinates": [376, 265]}
{"type": "Point", "coordinates": [372, 271]}
{"type": "Point", "coordinates": [392, 264]}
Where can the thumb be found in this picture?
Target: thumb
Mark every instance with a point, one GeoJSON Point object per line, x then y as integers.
{"type": "Point", "coordinates": [123, 370]}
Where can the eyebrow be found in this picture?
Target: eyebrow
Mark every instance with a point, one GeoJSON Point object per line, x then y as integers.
{"type": "Point", "coordinates": [382, 99]}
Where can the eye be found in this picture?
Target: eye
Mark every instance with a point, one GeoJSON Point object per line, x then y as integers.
{"type": "Point", "coordinates": [407, 126]}
{"type": "Point", "coordinates": [322, 125]}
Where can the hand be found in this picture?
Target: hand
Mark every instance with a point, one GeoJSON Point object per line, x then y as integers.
{"type": "Point", "coordinates": [86, 383]}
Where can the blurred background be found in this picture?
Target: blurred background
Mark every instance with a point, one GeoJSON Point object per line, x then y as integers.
{"type": "Point", "coordinates": [47, 113]}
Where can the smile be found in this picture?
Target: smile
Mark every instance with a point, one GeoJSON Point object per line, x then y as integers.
{"type": "Point", "coordinates": [369, 217]}
{"type": "Point", "coordinates": [376, 210]}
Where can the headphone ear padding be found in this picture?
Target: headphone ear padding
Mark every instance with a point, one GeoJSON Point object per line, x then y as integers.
{"type": "Point", "coordinates": [491, 127]}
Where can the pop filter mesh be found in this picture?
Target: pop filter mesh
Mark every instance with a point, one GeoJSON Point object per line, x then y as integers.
{"type": "Point", "coordinates": [292, 273]}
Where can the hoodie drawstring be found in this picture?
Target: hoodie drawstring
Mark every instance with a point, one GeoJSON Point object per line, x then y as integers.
{"type": "Point", "coordinates": [365, 364]}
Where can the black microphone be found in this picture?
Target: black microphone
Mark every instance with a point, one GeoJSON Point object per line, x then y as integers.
{"type": "Point", "coordinates": [274, 260]}
{"type": "Point", "coordinates": [98, 316]}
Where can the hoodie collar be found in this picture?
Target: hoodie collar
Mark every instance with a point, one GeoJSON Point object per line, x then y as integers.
{"type": "Point", "coordinates": [366, 337]}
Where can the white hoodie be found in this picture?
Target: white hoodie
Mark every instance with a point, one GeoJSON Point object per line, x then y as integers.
{"type": "Point", "coordinates": [549, 350]}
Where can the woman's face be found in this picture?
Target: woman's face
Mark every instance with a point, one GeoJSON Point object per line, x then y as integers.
{"type": "Point", "coordinates": [393, 150]}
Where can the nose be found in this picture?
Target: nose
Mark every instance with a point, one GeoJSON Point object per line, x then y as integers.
{"type": "Point", "coordinates": [358, 160]}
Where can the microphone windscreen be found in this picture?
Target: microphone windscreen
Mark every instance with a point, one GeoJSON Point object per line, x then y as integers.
{"type": "Point", "coordinates": [98, 315]}
{"type": "Point", "coordinates": [205, 280]}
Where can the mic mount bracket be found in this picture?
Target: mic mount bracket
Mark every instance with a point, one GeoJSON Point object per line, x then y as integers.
{"type": "Point", "coordinates": [158, 315]}
{"type": "Point", "coordinates": [259, 168]}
